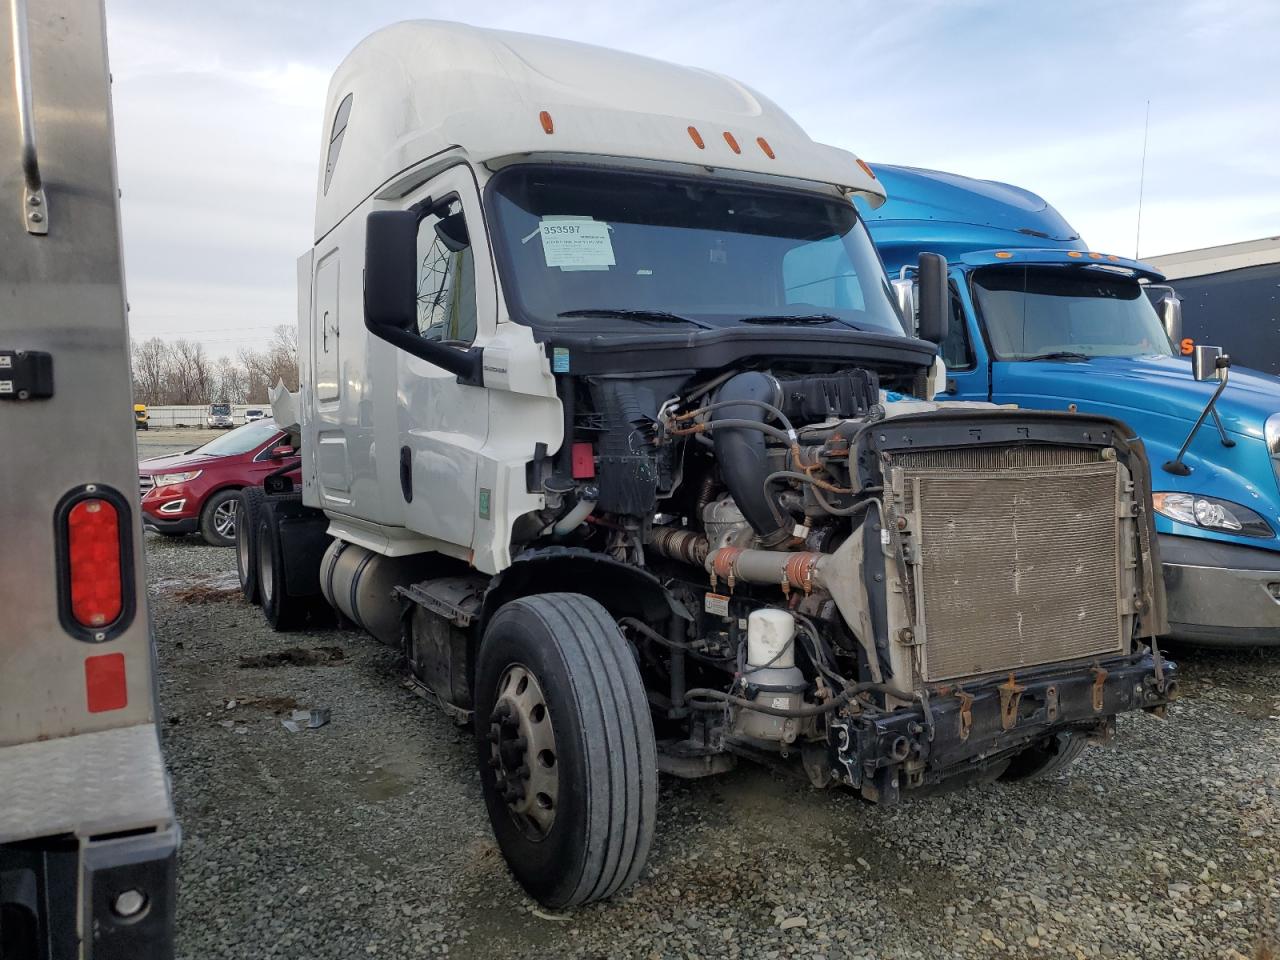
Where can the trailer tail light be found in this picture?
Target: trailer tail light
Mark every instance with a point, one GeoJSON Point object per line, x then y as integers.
{"type": "Point", "coordinates": [95, 562]}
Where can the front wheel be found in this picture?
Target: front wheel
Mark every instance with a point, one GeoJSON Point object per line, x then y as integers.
{"type": "Point", "coordinates": [1052, 755]}
{"type": "Point", "coordinates": [568, 764]}
{"type": "Point", "coordinates": [218, 518]}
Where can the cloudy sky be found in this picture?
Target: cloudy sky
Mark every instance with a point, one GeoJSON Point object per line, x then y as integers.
{"type": "Point", "coordinates": [218, 112]}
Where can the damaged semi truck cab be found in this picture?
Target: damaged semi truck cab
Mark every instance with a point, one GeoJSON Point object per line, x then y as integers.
{"type": "Point", "coordinates": [609, 422]}
{"type": "Point", "coordinates": [1041, 321]}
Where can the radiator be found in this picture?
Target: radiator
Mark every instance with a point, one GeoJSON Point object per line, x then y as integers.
{"type": "Point", "coordinates": [1018, 560]}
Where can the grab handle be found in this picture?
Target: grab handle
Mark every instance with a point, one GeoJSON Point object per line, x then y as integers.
{"type": "Point", "coordinates": [35, 211]}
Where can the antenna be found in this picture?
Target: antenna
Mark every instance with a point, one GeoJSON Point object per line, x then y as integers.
{"type": "Point", "coordinates": [1142, 176]}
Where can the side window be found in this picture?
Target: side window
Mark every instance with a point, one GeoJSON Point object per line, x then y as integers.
{"type": "Point", "coordinates": [820, 274]}
{"type": "Point", "coordinates": [957, 351]}
{"type": "Point", "coordinates": [340, 118]}
{"type": "Point", "coordinates": [446, 277]}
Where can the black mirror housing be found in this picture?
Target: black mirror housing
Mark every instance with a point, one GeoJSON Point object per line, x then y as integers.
{"type": "Point", "coordinates": [933, 300]}
{"type": "Point", "coordinates": [390, 269]}
{"type": "Point", "coordinates": [391, 294]}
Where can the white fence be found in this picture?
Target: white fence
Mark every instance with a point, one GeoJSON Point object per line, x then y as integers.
{"type": "Point", "coordinates": [194, 416]}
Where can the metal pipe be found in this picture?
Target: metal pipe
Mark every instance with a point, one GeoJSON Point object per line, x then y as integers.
{"type": "Point", "coordinates": [675, 634]}
{"type": "Point", "coordinates": [34, 208]}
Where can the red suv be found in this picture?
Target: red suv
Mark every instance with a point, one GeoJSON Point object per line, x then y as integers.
{"type": "Point", "coordinates": [197, 490]}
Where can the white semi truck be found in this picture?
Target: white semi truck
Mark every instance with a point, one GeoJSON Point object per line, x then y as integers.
{"type": "Point", "coordinates": [609, 422]}
{"type": "Point", "coordinates": [87, 833]}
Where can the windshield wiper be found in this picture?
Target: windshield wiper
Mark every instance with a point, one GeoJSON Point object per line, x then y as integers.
{"type": "Point", "coordinates": [793, 318]}
{"type": "Point", "coordinates": [659, 316]}
{"type": "Point", "coordinates": [1059, 355]}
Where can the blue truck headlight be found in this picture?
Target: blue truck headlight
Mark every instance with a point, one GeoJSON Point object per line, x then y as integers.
{"type": "Point", "coordinates": [1272, 431]}
{"type": "Point", "coordinates": [1211, 514]}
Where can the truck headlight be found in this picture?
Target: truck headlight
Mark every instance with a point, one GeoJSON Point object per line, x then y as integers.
{"type": "Point", "coordinates": [1272, 431]}
{"type": "Point", "coordinates": [168, 479]}
{"type": "Point", "coordinates": [1211, 514]}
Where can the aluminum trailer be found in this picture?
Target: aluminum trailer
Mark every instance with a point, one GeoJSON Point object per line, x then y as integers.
{"type": "Point", "coordinates": [88, 838]}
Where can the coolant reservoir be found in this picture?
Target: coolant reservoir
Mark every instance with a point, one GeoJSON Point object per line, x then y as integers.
{"type": "Point", "coordinates": [768, 632]}
{"type": "Point", "coordinates": [777, 683]}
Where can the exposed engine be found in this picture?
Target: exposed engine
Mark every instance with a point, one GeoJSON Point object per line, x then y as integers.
{"type": "Point", "coordinates": [850, 567]}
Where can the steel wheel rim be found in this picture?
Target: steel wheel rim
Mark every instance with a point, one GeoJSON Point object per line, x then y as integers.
{"type": "Point", "coordinates": [224, 519]}
{"type": "Point", "coordinates": [522, 752]}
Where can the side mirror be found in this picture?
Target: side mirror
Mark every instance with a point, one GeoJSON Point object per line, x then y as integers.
{"type": "Point", "coordinates": [905, 291]}
{"type": "Point", "coordinates": [934, 298]}
{"type": "Point", "coordinates": [282, 452]}
{"type": "Point", "coordinates": [1208, 362]}
{"type": "Point", "coordinates": [391, 293]}
{"type": "Point", "coordinates": [1169, 307]}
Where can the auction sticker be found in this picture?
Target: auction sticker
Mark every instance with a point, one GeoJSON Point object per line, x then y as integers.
{"type": "Point", "coordinates": [576, 244]}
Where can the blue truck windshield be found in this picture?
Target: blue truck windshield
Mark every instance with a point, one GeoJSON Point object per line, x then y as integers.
{"type": "Point", "coordinates": [611, 249]}
{"type": "Point", "coordinates": [1036, 311]}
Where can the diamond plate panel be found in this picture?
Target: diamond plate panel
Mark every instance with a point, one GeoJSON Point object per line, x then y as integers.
{"type": "Point", "coordinates": [86, 784]}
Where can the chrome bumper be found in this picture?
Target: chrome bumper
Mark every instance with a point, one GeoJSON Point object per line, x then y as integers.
{"type": "Point", "coordinates": [1221, 594]}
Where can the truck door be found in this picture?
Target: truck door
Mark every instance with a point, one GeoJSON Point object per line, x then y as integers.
{"type": "Point", "coordinates": [443, 424]}
{"type": "Point", "coordinates": [968, 369]}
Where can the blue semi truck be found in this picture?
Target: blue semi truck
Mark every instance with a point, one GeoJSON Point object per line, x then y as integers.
{"type": "Point", "coordinates": [1040, 320]}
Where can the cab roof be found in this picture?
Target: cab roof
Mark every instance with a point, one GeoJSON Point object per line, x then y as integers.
{"type": "Point", "coordinates": [422, 89]}
{"type": "Point", "coordinates": [953, 215]}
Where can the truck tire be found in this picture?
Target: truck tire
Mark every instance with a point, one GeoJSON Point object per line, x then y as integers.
{"type": "Point", "coordinates": [247, 517]}
{"type": "Point", "coordinates": [218, 518]}
{"type": "Point", "coordinates": [1047, 758]}
{"type": "Point", "coordinates": [283, 612]}
{"type": "Point", "coordinates": [568, 764]}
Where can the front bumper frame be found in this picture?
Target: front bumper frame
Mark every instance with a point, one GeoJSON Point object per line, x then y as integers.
{"type": "Point", "coordinates": [1221, 594]}
{"type": "Point", "coordinates": [966, 729]}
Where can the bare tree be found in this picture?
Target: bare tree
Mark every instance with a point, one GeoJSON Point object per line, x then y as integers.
{"type": "Point", "coordinates": [151, 370]}
{"type": "Point", "coordinates": [283, 357]}
{"type": "Point", "coordinates": [230, 382]}
{"type": "Point", "coordinates": [181, 373]}
{"type": "Point", "coordinates": [190, 379]}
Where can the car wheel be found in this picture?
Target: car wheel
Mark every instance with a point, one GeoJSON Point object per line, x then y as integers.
{"type": "Point", "coordinates": [568, 765]}
{"type": "Point", "coordinates": [218, 518]}
{"type": "Point", "coordinates": [1049, 757]}
{"type": "Point", "coordinates": [283, 612]}
{"type": "Point", "coordinates": [247, 541]}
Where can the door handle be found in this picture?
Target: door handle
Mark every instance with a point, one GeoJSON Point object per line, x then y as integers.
{"type": "Point", "coordinates": [35, 211]}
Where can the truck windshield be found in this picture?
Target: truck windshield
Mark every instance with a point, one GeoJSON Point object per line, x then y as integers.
{"type": "Point", "coordinates": [220, 409]}
{"type": "Point", "coordinates": [1034, 312]}
{"type": "Point", "coordinates": [615, 250]}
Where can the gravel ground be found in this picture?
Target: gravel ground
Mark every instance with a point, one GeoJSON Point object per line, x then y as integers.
{"type": "Point", "coordinates": [367, 837]}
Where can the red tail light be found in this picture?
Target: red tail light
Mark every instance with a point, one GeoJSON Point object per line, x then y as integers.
{"type": "Point", "coordinates": [94, 536]}
{"type": "Point", "coordinates": [93, 563]}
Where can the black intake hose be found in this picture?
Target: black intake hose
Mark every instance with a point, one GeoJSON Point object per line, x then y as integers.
{"type": "Point", "coordinates": [741, 453]}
